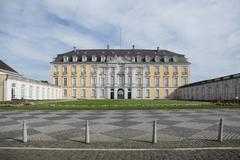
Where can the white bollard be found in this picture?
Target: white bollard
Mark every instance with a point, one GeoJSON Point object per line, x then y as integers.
{"type": "Point", "coordinates": [220, 131]}
{"type": "Point", "coordinates": [25, 139]}
{"type": "Point", "coordinates": [87, 136]}
{"type": "Point", "coordinates": [154, 138]}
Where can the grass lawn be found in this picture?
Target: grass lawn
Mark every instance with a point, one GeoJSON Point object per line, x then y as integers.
{"type": "Point", "coordinates": [116, 105]}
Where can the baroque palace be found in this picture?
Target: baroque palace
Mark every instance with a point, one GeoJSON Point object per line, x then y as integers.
{"type": "Point", "coordinates": [119, 73]}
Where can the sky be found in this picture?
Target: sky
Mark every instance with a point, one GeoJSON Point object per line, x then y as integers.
{"type": "Point", "coordinates": [207, 32]}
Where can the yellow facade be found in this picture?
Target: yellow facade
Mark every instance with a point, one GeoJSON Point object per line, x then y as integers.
{"type": "Point", "coordinates": [88, 76]}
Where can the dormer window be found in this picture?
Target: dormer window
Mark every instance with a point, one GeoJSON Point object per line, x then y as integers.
{"type": "Point", "coordinates": [147, 59]}
{"type": "Point", "coordinates": [139, 58]}
{"type": "Point", "coordinates": [102, 58]}
{"type": "Point", "coordinates": [65, 59]}
{"type": "Point", "coordinates": [75, 58]}
{"type": "Point", "coordinates": [84, 58]}
{"type": "Point", "coordinates": [133, 59]}
{"type": "Point", "coordinates": [166, 59]}
{"type": "Point", "coordinates": [157, 59]}
{"type": "Point", "coordinates": [175, 59]}
{"type": "Point", "coordinates": [94, 58]}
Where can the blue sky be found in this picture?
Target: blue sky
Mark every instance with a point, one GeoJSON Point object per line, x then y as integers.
{"type": "Point", "coordinates": [206, 31]}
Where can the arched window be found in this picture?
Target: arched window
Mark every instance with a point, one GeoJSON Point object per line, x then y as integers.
{"type": "Point", "coordinates": [43, 93]}
{"type": "Point", "coordinates": [37, 93]}
{"type": "Point", "coordinates": [22, 91]}
{"type": "Point", "coordinates": [48, 90]}
{"type": "Point", "coordinates": [30, 91]}
{"type": "Point", "coordinates": [13, 91]}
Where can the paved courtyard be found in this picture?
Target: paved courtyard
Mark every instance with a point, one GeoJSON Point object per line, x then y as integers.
{"type": "Point", "coordinates": [116, 126]}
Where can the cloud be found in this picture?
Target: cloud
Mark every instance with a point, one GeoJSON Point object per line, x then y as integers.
{"type": "Point", "coordinates": [207, 32]}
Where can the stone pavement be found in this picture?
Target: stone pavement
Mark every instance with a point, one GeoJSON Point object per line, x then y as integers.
{"type": "Point", "coordinates": [119, 155]}
{"type": "Point", "coordinates": [117, 126]}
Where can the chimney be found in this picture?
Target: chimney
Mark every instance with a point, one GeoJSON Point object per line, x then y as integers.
{"type": "Point", "coordinates": [133, 47]}
{"type": "Point", "coordinates": [108, 46]}
{"type": "Point", "coordinates": [74, 48]}
{"type": "Point", "coordinates": [157, 49]}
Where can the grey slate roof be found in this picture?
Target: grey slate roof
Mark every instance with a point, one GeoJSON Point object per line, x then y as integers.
{"type": "Point", "coordinates": [4, 66]}
{"type": "Point", "coordinates": [119, 52]}
{"type": "Point", "coordinates": [233, 76]}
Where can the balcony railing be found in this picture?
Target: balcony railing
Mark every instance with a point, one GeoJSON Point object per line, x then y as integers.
{"type": "Point", "coordinates": [184, 73]}
{"type": "Point", "coordinates": [74, 73]}
{"type": "Point", "coordinates": [64, 73]}
{"type": "Point", "coordinates": [55, 73]}
{"type": "Point", "coordinates": [157, 73]}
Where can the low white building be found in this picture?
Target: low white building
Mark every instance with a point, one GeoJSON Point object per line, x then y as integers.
{"type": "Point", "coordinates": [15, 86]}
{"type": "Point", "coordinates": [222, 88]}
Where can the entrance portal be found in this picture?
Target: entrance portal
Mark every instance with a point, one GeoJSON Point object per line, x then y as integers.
{"type": "Point", "coordinates": [120, 94]}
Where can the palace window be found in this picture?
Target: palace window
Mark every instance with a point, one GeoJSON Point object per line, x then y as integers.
{"type": "Point", "coordinates": [64, 69]}
{"type": "Point", "coordinates": [30, 91]}
{"type": "Point", "coordinates": [74, 93]}
{"type": "Point", "coordinates": [64, 92]}
{"type": "Point", "coordinates": [166, 93]}
{"type": "Point", "coordinates": [83, 69]}
{"type": "Point", "coordinates": [112, 80]}
{"type": "Point", "coordinates": [184, 70]}
{"type": "Point", "coordinates": [22, 91]}
{"type": "Point", "coordinates": [75, 58]}
{"type": "Point", "coordinates": [65, 59]}
{"type": "Point", "coordinates": [56, 81]}
{"type": "Point", "coordinates": [74, 69]}
{"type": "Point", "coordinates": [175, 81]}
{"type": "Point", "coordinates": [43, 93]}
{"type": "Point", "coordinates": [157, 93]}
{"type": "Point", "coordinates": [129, 80]}
{"type": "Point", "coordinates": [102, 93]}
{"type": "Point", "coordinates": [157, 71]}
{"type": "Point", "coordinates": [156, 59]}
{"type": "Point", "coordinates": [84, 58]}
{"type": "Point", "coordinates": [94, 58]}
{"type": "Point", "coordinates": [93, 81]}
{"type": "Point", "coordinates": [93, 69]}
{"type": "Point", "coordinates": [184, 80]}
{"type": "Point", "coordinates": [147, 82]}
{"type": "Point", "coordinates": [139, 81]}
{"type": "Point", "coordinates": [65, 81]}
{"type": "Point", "coordinates": [166, 82]}
{"type": "Point", "coordinates": [48, 90]}
{"type": "Point", "coordinates": [147, 59]}
{"type": "Point", "coordinates": [166, 69]}
{"type": "Point", "coordinates": [84, 93]}
{"type": "Point", "coordinates": [102, 81]}
{"type": "Point", "coordinates": [175, 69]}
{"type": "Point", "coordinates": [147, 93]}
{"type": "Point", "coordinates": [93, 93]}
{"type": "Point", "coordinates": [139, 93]}
{"type": "Point", "coordinates": [37, 92]}
{"type": "Point", "coordinates": [55, 69]}
{"type": "Point", "coordinates": [157, 82]}
{"type": "Point", "coordinates": [147, 69]}
{"type": "Point", "coordinates": [83, 81]}
{"type": "Point", "coordinates": [74, 81]}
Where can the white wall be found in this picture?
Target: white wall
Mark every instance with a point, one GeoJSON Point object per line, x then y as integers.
{"type": "Point", "coordinates": [45, 91]}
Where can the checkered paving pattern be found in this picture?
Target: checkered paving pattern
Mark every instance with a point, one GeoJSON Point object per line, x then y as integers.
{"type": "Point", "coordinates": [114, 126]}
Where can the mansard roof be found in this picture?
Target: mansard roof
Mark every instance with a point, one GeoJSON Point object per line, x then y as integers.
{"type": "Point", "coordinates": [119, 52]}
{"type": "Point", "coordinates": [6, 67]}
